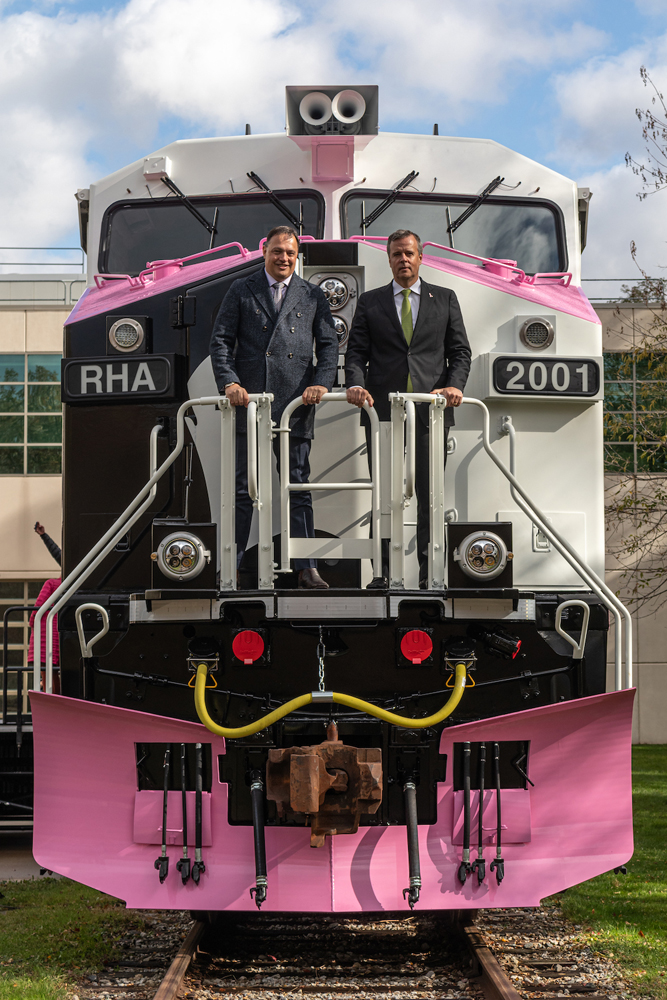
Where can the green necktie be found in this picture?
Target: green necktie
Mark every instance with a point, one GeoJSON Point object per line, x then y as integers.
{"type": "Point", "coordinates": [406, 323]}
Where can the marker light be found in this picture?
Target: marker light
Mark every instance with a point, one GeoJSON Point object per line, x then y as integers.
{"type": "Point", "coordinates": [482, 555]}
{"type": "Point", "coordinates": [181, 555]}
{"type": "Point", "coordinates": [536, 333]}
{"type": "Point", "coordinates": [247, 646]}
{"type": "Point", "coordinates": [416, 646]}
{"type": "Point", "coordinates": [126, 335]}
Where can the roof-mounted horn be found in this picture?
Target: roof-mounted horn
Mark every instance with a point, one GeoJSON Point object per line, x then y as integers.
{"type": "Point", "coordinates": [332, 110]}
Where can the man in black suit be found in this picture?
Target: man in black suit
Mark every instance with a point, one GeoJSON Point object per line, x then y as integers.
{"type": "Point", "coordinates": [262, 341]}
{"type": "Point", "coordinates": [411, 336]}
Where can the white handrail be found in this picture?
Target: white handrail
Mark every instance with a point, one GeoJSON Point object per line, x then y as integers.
{"type": "Point", "coordinates": [286, 487]}
{"type": "Point", "coordinates": [87, 647]}
{"type": "Point", "coordinates": [109, 540]}
{"type": "Point", "coordinates": [409, 450]}
{"type": "Point", "coordinates": [252, 452]}
{"type": "Point", "coordinates": [588, 575]}
{"type": "Point", "coordinates": [99, 551]}
{"type": "Point", "coordinates": [579, 646]}
{"type": "Point", "coordinates": [507, 427]}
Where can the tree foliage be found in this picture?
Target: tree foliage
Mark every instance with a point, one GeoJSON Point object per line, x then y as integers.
{"type": "Point", "coordinates": [636, 501]}
{"type": "Point", "coordinates": [653, 120]}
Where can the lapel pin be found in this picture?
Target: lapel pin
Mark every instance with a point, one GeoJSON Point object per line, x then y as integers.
{"type": "Point", "coordinates": [430, 295]}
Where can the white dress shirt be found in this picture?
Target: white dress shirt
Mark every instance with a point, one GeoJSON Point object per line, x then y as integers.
{"type": "Point", "coordinates": [276, 281]}
{"type": "Point", "coordinates": [414, 298]}
{"type": "Point", "coordinates": [399, 298]}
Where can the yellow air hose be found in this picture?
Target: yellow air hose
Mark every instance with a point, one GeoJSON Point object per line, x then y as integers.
{"type": "Point", "coordinates": [340, 699]}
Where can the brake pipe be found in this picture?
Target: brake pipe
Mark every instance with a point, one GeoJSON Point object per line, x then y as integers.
{"type": "Point", "coordinates": [162, 863]}
{"type": "Point", "coordinates": [183, 863]}
{"type": "Point", "coordinates": [479, 865]}
{"type": "Point", "coordinates": [498, 864]}
{"type": "Point", "coordinates": [465, 867]}
{"type": "Point", "coordinates": [330, 696]}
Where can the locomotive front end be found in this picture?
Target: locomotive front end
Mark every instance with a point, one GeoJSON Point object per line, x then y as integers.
{"type": "Point", "coordinates": [226, 740]}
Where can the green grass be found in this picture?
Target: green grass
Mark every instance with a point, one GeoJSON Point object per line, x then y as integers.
{"type": "Point", "coordinates": [52, 931]}
{"type": "Point", "coordinates": [625, 916]}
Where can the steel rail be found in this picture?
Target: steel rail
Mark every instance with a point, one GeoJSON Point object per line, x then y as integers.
{"type": "Point", "coordinates": [495, 980]}
{"type": "Point", "coordinates": [170, 986]}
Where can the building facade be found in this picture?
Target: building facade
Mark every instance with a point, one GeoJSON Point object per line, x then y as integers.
{"type": "Point", "coordinates": [32, 313]}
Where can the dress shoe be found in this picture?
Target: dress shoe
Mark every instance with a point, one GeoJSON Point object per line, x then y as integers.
{"type": "Point", "coordinates": [310, 579]}
{"type": "Point", "coordinates": [423, 584]}
{"type": "Point", "coordinates": [378, 583]}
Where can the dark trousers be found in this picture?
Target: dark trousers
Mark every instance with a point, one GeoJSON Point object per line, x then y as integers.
{"type": "Point", "coordinates": [301, 504]}
{"type": "Point", "coordinates": [421, 489]}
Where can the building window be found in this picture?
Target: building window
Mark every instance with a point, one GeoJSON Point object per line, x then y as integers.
{"type": "Point", "coordinates": [12, 593]}
{"type": "Point", "coordinates": [30, 415]}
{"type": "Point", "coordinates": [635, 419]}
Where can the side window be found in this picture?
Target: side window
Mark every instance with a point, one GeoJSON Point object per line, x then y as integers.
{"type": "Point", "coordinates": [30, 414]}
{"type": "Point", "coordinates": [635, 419]}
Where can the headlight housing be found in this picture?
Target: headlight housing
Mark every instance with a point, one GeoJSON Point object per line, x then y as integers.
{"type": "Point", "coordinates": [181, 556]}
{"type": "Point", "coordinates": [335, 291]}
{"type": "Point", "coordinates": [482, 555]}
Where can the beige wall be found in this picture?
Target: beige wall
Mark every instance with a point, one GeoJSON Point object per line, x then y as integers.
{"type": "Point", "coordinates": [26, 499]}
{"type": "Point", "coordinates": [623, 329]}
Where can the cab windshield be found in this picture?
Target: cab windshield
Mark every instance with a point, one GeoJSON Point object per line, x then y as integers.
{"type": "Point", "coordinates": [135, 232]}
{"type": "Point", "coordinates": [529, 232]}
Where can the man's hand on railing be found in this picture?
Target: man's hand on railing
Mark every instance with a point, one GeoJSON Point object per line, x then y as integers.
{"type": "Point", "coordinates": [452, 395]}
{"type": "Point", "coordinates": [358, 396]}
{"type": "Point", "coordinates": [236, 394]}
{"type": "Point", "coordinates": [313, 394]}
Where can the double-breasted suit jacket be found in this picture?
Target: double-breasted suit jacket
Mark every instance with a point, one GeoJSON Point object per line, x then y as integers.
{"type": "Point", "coordinates": [438, 355]}
{"type": "Point", "coordinates": [266, 351]}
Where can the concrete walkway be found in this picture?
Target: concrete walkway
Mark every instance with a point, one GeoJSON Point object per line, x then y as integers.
{"type": "Point", "coordinates": [16, 860]}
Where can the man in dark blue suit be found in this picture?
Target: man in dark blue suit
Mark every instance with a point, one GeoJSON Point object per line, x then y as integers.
{"type": "Point", "coordinates": [262, 341]}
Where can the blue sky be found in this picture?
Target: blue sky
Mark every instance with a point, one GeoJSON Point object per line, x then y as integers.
{"type": "Point", "coordinates": [86, 88]}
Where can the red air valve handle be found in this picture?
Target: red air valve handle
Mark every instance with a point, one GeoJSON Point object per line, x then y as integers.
{"type": "Point", "coordinates": [416, 646]}
{"type": "Point", "coordinates": [247, 646]}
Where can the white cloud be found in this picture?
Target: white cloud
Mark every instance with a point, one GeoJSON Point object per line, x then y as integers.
{"type": "Point", "coordinates": [618, 217]}
{"type": "Point", "coordinates": [598, 102]}
{"type": "Point", "coordinates": [84, 87]}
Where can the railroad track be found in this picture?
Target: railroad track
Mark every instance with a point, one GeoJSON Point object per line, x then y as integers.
{"type": "Point", "coordinates": [504, 955]}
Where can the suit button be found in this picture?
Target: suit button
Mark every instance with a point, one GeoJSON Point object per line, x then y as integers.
{"type": "Point", "coordinates": [263, 328]}
{"type": "Point", "coordinates": [293, 329]}
{"type": "Point", "coordinates": [258, 311]}
{"type": "Point", "coordinates": [290, 355]}
{"type": "Point", "coordinates": [298, 315]}
{"type": "Point", "coordinates": [268, 354]}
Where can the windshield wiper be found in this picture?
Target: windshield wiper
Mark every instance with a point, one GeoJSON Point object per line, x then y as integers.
{"type": "Point", "coordinates": [475, 204]}
{"type": "Point", "coordinates": [210, 227]}
{"type": "Point", "coordinates": [389, 200]}
{"type": "Point", "coordinates": [275, 200]}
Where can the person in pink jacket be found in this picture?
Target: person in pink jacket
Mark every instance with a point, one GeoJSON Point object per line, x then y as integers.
{"type": "Point", "coordinates": [45, 592]}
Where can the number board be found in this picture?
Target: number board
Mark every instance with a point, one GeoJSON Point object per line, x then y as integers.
{"type": "Point", "coordinates": [101, 380]}
{"type": "Point", "coordinates": [546, 377]}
